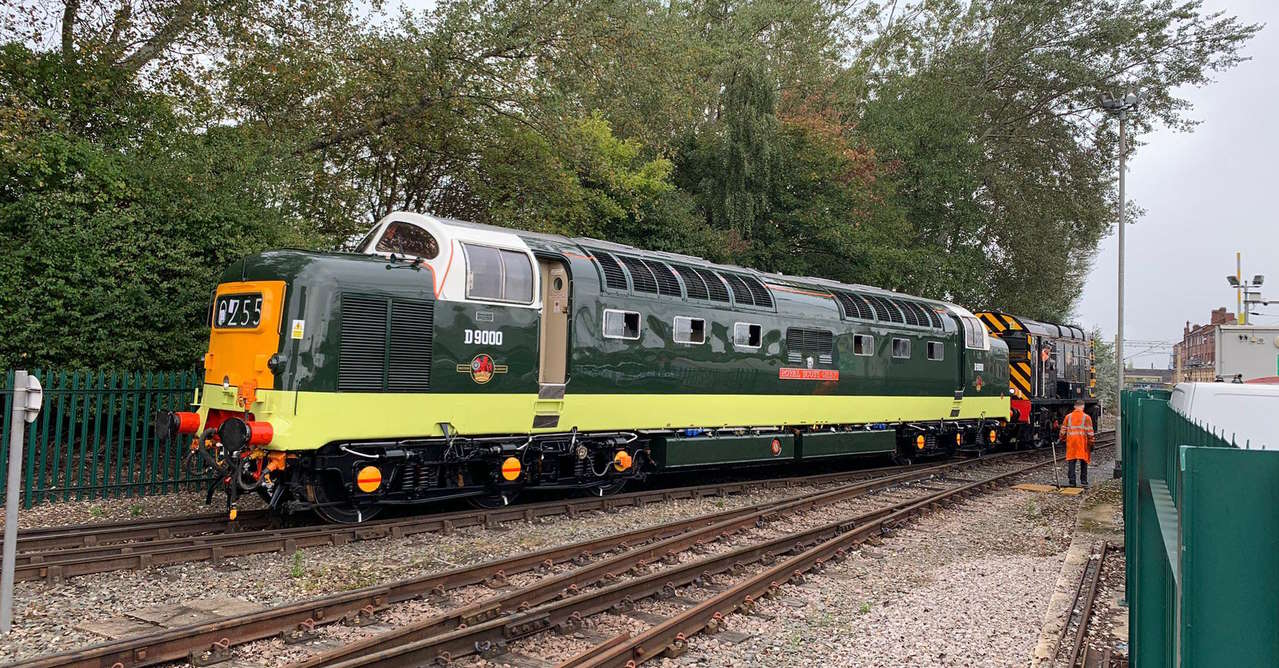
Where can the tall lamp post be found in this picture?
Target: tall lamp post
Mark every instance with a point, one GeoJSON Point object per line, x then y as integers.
{"type": "Point", "coordinates": [1120, 107]}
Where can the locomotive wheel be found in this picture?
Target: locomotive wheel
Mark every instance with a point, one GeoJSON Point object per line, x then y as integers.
{"type": "Point", "coordinates": [336, 508]}
{"type": "Point", "coordinates": [493, 501]}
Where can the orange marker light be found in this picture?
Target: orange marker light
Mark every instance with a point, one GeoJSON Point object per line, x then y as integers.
{"type": "Point", "coordinates": [992, 435]}
{"type": "Point", "coordinates": [369, 479]}
{"type": "Point", "coordinates": [959, 439]}
{"type": "Point", "coordinates": [511, 468]}
{"type": "Point", "coordinates": [622, 460]}
{"type": "Point", "coordinates": [919, 441]}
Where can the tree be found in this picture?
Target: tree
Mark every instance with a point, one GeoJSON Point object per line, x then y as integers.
{"type": "Point", "coordinates": [1104, 363]}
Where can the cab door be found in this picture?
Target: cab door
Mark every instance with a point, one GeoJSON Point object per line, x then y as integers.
{"type": "Point", "coordinates": [553, 338]}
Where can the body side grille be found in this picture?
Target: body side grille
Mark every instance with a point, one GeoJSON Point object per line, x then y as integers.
{"type": "Point", "coordinates": [362, 352]}
{"type": "Point", "coordinates": [410, 356]}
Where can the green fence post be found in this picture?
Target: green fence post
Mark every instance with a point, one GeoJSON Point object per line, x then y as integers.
{"type": "Point", "coordinates": [50, 382]}
{"type": "Point", "coordinates": [106, 443]}
{"type": "Point", "coordinates": [131, 441]}
{"type": "Point", "coordinates": [6, 399]}
{"type": "Point", "coordinates": [1149, 603]}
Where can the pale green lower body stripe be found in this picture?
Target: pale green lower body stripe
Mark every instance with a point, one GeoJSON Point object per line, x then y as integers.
{"type": "Point", "coordinates": [321, 417]}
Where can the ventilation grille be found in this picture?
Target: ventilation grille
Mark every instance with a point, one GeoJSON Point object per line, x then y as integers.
{"type": "Point", "coordinates": [613, 276]}
{"type": "Point", "coordinates": [741, 291]}
{"type": "Point", "coordinates": [761, 294]}
{"type": "Point", "coordinates": [855, 306]}
{"type": "Point", "coordinates": [884, 309]}
{"type": "Point", "coordinates": [934, 317]}
{"type": "Point", "coordinates": [714, 285]}
{"type": "Point", "coordinates": [908, 314]}
{"type": "Point", "coordinates": [362, 354]}
{"type": "Point", "coordinates": [410, 355]}
{"type": "Point", "coordinates": [667, 284]}
{"type": "Point", "coordinates": [641, 277]}
{"type": "Point", "coordinates": [693, 283]}
{"type": "Point", "coordinates": [817, 342]}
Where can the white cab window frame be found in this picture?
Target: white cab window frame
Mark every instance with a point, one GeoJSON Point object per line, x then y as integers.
{"type": "Point", "coordinates": [502, 254]}
{"type": "Point", "coordinates": [639, 324]}
{"type": "Point", "coordinates": [688, 322]}
{"type": "Point", "coordinates": [738, 338]}
{"type": "Point", "coordinates": [867, 345]}
{"type": "Point", "coordinates": [939, 347]}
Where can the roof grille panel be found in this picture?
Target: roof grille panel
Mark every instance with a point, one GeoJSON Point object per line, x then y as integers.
{"type": "Point", "coordinates": [760, 293]}
{"type": "Point", "coordinates": [885, 309]}
{"type": "Point", "coordinates": [714, 285]}
{"type": "Point", "coordinates": [934, 317]}
{"type": "Point", "coordinates": [908, 314]}
{"type": "Point", "coordinates": [614, 277]}
{"type": "Point", "coordinates": [855, 306]}
{"type": "Point", "coordinates": [741, 292]}
{"type": "Point", "coordinates": [641, 276]}
{"type": "Point", "coordinates": [362, 351]}
{"type": "Point", "coordinates": [412, 323]}
{"type": "Point", "coordinates": [667, 284]}
{"type": "Point", "coordinates": [693, 283]}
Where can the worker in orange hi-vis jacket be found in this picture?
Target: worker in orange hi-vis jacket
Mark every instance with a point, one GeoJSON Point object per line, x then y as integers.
{"type": "Point", "coordinates": [1076, 431]}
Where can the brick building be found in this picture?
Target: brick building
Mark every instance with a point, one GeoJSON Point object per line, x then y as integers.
{"type": "Point", "coordinates": [1195, 356]}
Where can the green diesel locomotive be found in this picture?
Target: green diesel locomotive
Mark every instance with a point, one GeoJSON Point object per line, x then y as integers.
{"type": "Point", "coordinates": [447, 359]}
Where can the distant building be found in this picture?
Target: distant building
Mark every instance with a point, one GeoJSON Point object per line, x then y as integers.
{"type": "Point", "coordinates": [1149, 379]}
{"type": "Point", "coordinates": [1195, 357]}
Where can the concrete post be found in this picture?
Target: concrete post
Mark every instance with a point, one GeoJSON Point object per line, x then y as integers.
{"type": "Point", "coordinates": [16, 435]}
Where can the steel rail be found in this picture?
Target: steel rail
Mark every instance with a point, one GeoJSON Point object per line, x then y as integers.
{"type": "Point", "coordinates": [46, 539]}
{"type": "Point", "coordinates": [299, 619]}
{"type": "Point", "coordinates": [56, 565]}
{"type": "Point", "coordinates": [1088, 582]}
{"type": "Point", "coordinates": [488, 638]}
{"type": "Point", "coordinates": [831, 545]}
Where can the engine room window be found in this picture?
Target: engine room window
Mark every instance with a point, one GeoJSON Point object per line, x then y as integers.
{"type": "Point", "coordinates": [498, 275]}
{"type": "Point", "coordinates": [901, 348]}
{"type": "Point", "coordinates": [936, 351]}
{"type": "Point", "coordinates": [621, 324]}
{"type": "Point", "coordinates": [864, 345]}
{"type": "Point", "coordinates": [408, 239]}
{"type": "Point", "coordinates": [689, 330]}
{"type": "Point", "coordinates": [747, 335]}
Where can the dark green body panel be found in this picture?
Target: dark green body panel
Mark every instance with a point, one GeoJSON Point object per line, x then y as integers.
{"type": "Point", "coordinates": [518, 352]}
{"type": "Point", "coordinates": [671, 452]}
{"type": "Point", "coordinates": [836, 444]}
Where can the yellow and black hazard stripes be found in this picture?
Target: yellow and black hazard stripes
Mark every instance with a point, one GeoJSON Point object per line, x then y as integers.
{"type": "Point", "coordinates": [1019, 379]}
{"type": "Point", "coordinates": [998, 323]}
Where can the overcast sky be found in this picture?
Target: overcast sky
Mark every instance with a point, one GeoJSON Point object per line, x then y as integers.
{"type": "Point", "coordinates": [1207, 194]}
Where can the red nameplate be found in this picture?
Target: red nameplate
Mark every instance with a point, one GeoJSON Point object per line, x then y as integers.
{"type": "Point", "coordinates": [786, 373]}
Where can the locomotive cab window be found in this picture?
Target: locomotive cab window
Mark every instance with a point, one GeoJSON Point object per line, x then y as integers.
{"type": "Point", "coordinates": [496, 274]}
{"type": "Point", "coordinates": [936, 351]}
{"type": "Point", "coordinates": [974, 333]}
{"type": "Point", "coordinates": [863, 344]}
{"type": "Point", "coordinates": [689, 330]}
{"type": "Point", "coordinates": [747, 335]}
{"type": "Point", "coordinates": [408, 239]}
{"type": "Point", "coordinates": [621, 324]}
{"type": "Point", "coordinates": [901, 348]}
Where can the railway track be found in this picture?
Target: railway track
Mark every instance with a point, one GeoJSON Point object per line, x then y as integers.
{"type": "Point", "coordinates": [563, 595]}
{"type": "Point", "coordinates": [1079, 652]}
{"type": "Point", "coordinates": [57, 553]}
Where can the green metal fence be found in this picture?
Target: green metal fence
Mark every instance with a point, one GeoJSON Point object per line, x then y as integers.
{"type": "Point", "coordinates": [94, 437]}
{"type": "Point", "coordinates": [1201, 529]}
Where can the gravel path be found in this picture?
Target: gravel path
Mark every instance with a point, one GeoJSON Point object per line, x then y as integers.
{"type": "Point", "coordinates": [96, 511]}
{"type": "Point", "coordinates": [966, 586]}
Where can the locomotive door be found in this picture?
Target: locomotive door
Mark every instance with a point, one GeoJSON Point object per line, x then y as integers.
{"type": "Point", "coordinates": [553, 337]}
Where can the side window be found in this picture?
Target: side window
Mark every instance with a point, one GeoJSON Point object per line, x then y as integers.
{"type": "Point", "coordinates": [517, 282]}
{"type": "Point", "coordinates": [974, 334]}
{"type": "Point", "coordinates": [936, 351]}
{"type": "Point", "coordinates": [500, 275]}
{"type": "Point", "coordinates": [689, 330]}
{"type": "Point", "coordinates": [901, 348]}
{"type": "Point", "coordinates": [863, 344]}
{"type": "Point", "coordinates": [621, 324]}
{"type": "Point", "coordinates": [747, 335]}
{"type": "Point", "coordinates": [408, 239]}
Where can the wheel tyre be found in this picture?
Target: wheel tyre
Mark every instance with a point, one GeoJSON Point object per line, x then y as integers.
{"type": "Point", "coordinates": [607, 489]}
{"type": "Point", "coordinates": [334, 510]}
